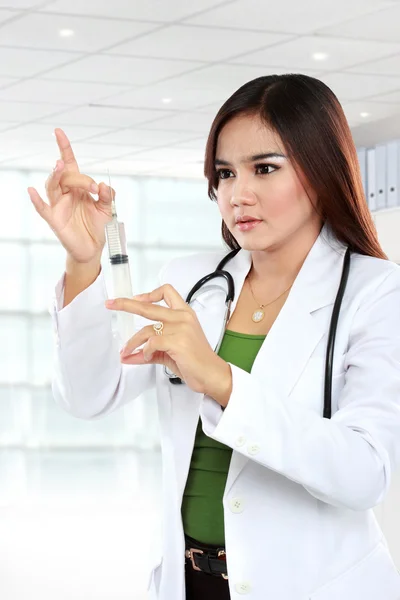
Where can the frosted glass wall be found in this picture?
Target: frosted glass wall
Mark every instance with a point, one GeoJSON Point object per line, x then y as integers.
{"type": "Point", "coordinates": [164, 218]}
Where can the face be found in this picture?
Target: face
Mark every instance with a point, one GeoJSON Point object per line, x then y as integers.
{"type": "Point", "coordinates": [256, 180]}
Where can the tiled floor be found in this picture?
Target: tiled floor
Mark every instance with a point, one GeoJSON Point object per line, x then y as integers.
{"type": "Point", "coordinates": [74, 526]}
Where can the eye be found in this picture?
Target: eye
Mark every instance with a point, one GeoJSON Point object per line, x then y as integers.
{"type": "Point", "coordinates": [263, 169]}
{"type": "Point", "coordinates": [224, 173]}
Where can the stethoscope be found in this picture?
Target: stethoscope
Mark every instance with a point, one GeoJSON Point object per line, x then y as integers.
{"type": "Point", "coordinates": [230, 294]}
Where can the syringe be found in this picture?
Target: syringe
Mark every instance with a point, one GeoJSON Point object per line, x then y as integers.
{"type": "Point", "coordinates": [121, 276]}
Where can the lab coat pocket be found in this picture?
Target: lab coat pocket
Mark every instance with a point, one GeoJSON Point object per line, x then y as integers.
{"type": "Point", "coordinates": [373, 578]}
{"type": "Point", "coordinates": [153, 585]}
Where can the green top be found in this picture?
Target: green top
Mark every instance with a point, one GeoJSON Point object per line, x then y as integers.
{"type": "Point", "coordinates": [202, 509]}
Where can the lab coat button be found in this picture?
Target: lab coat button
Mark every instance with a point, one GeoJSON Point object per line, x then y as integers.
{"type": "Point", "coordinates": [243, 587]}
{"type": "Point", "coordinates": [241, 440]}
{"type": "Point", "coordinates": [253, 449]}
{"type": "Point", "coordinates": [236, 505]}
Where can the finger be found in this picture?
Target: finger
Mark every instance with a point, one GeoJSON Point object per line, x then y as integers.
{"type": "Point", "coordinates": [140, 338]}
{"type": "Point", "coordinates": [105, 195]}
{"type": "Point", "coordinates": [167, 293]}
{"type": "Point", "coordinates": [66, 152]}
{"type": "Point", "coordinates": [149, 311]}
{"type": "Point", "coordinates": [156, 344]}
{"type": "Point", "coordinates": [41, 207]}
{"type": "Point", "coordinates": [53, 180]}
{"type": "Point", "coordinates": [70, 181]}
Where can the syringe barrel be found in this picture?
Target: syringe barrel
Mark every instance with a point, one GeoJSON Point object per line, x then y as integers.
{"type": "Point", "coordinates": [122, 288]}
{"type": "Point", "coordinates": [121, 277]}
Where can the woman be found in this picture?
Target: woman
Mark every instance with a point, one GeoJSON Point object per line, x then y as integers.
{"type": "Point", "coordinates": [275, 501]}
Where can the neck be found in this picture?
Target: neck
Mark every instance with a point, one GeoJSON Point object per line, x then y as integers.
{"type": "Point", "coordinates": [281, 264]}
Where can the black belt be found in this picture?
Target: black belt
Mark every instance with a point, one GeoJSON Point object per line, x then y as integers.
{"type": "Point", "coordinates": [211, 560]}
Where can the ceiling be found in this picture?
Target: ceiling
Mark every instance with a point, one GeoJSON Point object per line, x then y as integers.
{"type": "Point", "coordinates": [136, 84]}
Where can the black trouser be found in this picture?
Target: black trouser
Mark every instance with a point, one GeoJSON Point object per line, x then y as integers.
{"type": "Point", "coordinates": [202, 586]}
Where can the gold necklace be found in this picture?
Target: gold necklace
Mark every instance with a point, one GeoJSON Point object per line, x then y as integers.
{"type": "Point", "coordinates": [259, 314]}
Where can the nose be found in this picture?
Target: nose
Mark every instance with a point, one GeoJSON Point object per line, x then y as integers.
{"type": "Point", "coordinates": [243, 196]}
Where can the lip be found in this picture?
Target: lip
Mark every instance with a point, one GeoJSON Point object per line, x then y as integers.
{"type": "Point", "coordinates": [247, 225]}
{"type": "Point", "coordinates": [245, 218]}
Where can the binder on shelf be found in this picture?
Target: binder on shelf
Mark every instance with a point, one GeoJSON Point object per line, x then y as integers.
{"type": "Point", "coordinates": [393, 174]}
{"type": "Point", "coordinates": [380, 176]}
{"type": "Point", "coordinates": [371, 181]}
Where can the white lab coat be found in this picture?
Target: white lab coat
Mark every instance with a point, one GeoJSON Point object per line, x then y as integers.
{"type": "Point", "coordinates": [298, 501]}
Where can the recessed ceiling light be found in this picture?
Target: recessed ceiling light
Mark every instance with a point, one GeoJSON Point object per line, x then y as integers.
{"type": "Point", "coordinates": [320, 56]}
{"type": "Point", "coordinates": [364, 115]}
{"type": "Point", "coordinates": [67, 33]}
{"type": "Point", "coordinates": [167, 100]}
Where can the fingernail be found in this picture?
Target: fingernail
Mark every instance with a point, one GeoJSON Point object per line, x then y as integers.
{"type": "Point", "coordinates": [110, 302]}
{"type": "Point", "coordinates": [94, 188]}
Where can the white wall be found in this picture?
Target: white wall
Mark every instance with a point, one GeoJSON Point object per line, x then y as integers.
{"type": "Point", "coordinates": [388, 513]}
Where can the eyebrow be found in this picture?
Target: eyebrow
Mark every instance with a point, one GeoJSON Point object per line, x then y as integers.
{"type": "Point", "coordinates": [254, 158]}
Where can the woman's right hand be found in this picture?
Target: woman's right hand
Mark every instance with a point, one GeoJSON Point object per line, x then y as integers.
{"type": "Point", "coordinates": [75, 217]}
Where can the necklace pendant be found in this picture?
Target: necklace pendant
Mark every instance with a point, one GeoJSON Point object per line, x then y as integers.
{"type": "Point", "coordinates": [258, 315]}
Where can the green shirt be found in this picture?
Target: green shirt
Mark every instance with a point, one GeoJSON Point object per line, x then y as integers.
{"type": "Point", "coordinates": [202, 509]}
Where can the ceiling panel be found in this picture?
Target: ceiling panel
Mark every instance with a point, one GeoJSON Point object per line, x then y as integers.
{"type": "Point", "coordinates": [197, 43]}
{"type": "Point", "coordinates": [18, 62]}
{"type": "Point", "coordinates": [107, 117]}
{"type": "Point", "coordinates": [392, 98]}
{"type": "Point", "coordinates": [298, 53]}
{"type": "Point", "coordinates": [286, 16]}
{"type": "Point", "coordinates": [40, 132]}
{"type": "Point", "coordinates": [26, 111]}
{"type": "Point", "coordinates": [36, 30]}
{"type": "Point", "coordinates": [5, 81]}
{"type": "Point", "coordinates": [373, 111]}
{"type": "Point", "coordinates": [146, 79]}
{"type": "Point", "coordinates": [385, 66]}
{"type": "Point", "coordinates": [194, 144]}
{"type": "Point", "coordinates": [97, 151]}
{"type": "Point", "coordinates": [5, 15]}
{"type": "Point", "coordinates": [151, 10]}
{"type": "Point", "coordinates": [144, 137]}
{"type": "Point", "coordinates": [382, 25]}
{"type": "Point", "coordinates": [59, 92]}
{"type": "Point", "coordinates": [173, 155]}
{"type": "Point", "coordinates": [8, 125]}
{"type": "Point", "coordinates": [193, 122]}
{"type": "Point", "coordinates": [182, 95]}
{"type": "Point", "coordinates": [122, 69]}
{"type": "Point", "coordinates": [225, 79]}
{"type": "Point", "coordinates": [348, 86]}
{"type": "Point", "coordinates": [45, 162]}
{"type": "Point", "coordinates": [20, 4]}
{"type": "Point", "coordinates": [126, 167]}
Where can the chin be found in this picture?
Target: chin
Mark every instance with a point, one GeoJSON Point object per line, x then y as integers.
{"type": "Point", "coordinates": [258, 243]}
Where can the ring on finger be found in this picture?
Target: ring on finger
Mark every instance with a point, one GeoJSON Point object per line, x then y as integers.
{"type": "Point", "coordinates": [158, 328]}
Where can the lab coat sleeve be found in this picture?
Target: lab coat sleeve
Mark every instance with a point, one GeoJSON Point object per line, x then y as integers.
{"type": "Point", "coordinates": [346, 461]}
{"type": "Point", "coordinates": [89, 380]}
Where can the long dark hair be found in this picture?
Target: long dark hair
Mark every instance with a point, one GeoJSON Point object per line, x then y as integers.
{"type": "Point", "coordinates": [310, 121]}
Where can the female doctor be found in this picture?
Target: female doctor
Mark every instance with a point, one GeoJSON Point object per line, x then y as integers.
{"type": "Point", "coordinates": [263, 497]}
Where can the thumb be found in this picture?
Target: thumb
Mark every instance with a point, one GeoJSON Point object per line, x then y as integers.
{"type": "Point", "coordinates": [41, 207]}
{"type": "Point", "coordinates": [105, 195]}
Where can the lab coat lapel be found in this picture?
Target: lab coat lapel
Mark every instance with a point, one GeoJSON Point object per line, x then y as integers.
{"type": "Point", "coordinates": [296, 332]}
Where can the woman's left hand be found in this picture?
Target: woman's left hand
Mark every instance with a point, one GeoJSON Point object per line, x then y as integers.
{"type": "Point", "coordinates": [182, 348]}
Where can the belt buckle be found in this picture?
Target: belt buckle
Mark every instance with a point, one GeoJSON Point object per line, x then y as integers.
{"type": "Point", "coordinates": [189, 554]}
{"type": "Point", "coordinates": [222, 553]}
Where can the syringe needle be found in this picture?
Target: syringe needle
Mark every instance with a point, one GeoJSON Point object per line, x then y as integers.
{"type": "Point", "coordinates": [113, 207]}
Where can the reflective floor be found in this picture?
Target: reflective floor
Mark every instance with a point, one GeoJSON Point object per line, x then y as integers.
{"type": "Point", "coordinates": [75, 525]}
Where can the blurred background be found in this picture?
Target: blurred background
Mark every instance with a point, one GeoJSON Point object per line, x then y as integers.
{"type": "Point", "coordinates": [136, 85]}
